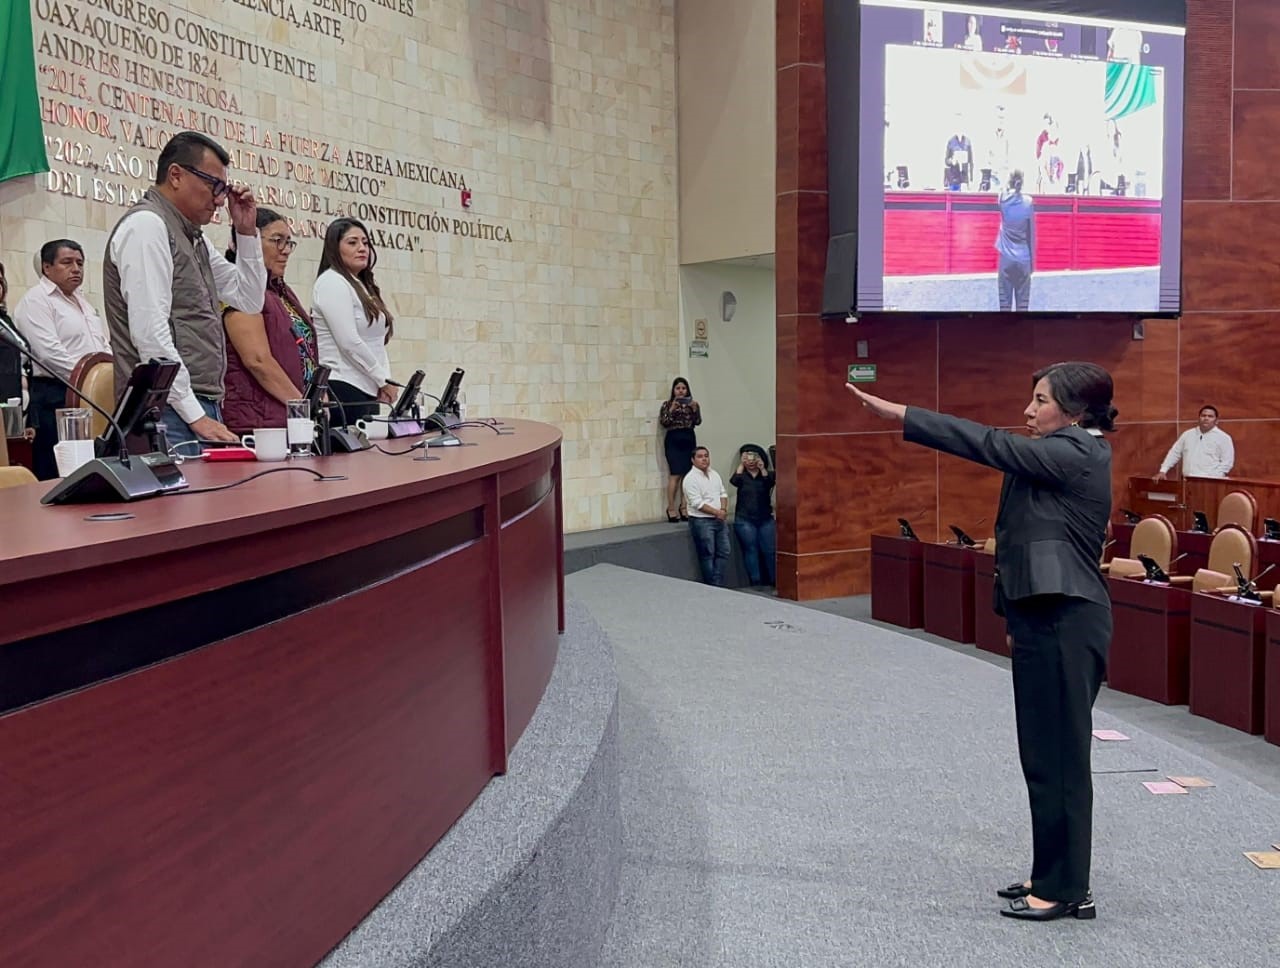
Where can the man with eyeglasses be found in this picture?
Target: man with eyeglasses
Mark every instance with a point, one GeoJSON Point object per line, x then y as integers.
{"type": "Point", "coordinates": [164, 282]}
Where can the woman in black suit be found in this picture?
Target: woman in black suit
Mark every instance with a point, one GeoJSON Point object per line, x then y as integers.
{"type": "Point", "coordinates": [1050, 527]}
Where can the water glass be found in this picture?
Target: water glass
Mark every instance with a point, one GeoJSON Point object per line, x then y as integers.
{"type": "Point", "coordinates": [301, 428]}
{"type": "Point", "coordinates": [74, 447]}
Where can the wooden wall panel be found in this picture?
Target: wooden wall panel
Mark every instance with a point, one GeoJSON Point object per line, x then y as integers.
{"type": "Point", "coordinates": [980, 367]}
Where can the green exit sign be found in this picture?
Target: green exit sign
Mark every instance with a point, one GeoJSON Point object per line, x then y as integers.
{"type": "Point", "coordinates": [862, 373]}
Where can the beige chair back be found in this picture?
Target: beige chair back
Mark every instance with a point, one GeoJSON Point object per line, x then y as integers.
{"type": "Point", "coordinates": [1231, 545]}
{"type": "Point", "coordinates": [15, 476]}
{"type": "Point", "coordinates": [1155, 537]}
{"type": "Point", "coordinates": [989, 546]}
{"type": "Point", "coordinates": [1239, 507]}
{"type": "Point", "coordinates": [94, 377]}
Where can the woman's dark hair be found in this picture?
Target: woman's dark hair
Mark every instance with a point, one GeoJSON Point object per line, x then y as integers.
{"type": "Point", "coordinates": [1082, 391]}
{"type": "Point", "coordinates": [265, 217]}
{"type": "Point", "coordinates": [675, 383]}
{"type": "Point", "coordinates": [1015, 179]}
{"type": "Point", "coordinates": [362, 282]}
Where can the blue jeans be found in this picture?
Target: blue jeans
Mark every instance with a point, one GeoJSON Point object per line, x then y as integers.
{"type": "Point", "coordinates": [178, 430]}
{"type": "Point", "coordinates": [711, 542]}
{"type": "Point", "coordinates": [759, 541]}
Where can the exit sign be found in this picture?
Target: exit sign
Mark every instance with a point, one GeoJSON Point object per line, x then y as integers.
{"type": "Point", "coordinates": [862, 373]}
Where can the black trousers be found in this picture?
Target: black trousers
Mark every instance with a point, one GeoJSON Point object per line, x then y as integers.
{"type": "Point", "coordinates": [1014, 280]}
{"type": "Point", "coordinates": [47, 396]}
{"type": "Point", "coordinates": [1059, 660]}
{"type": "Point", "coordinates": [356, 404]}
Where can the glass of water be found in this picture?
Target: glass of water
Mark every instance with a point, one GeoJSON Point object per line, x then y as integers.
{"type": "Point", "coordinates": [301, 428]}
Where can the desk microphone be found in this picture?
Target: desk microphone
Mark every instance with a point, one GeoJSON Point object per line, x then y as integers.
{"type": "Point", "coordinates": [1273, 529]}
{"type": "Point", "coordinates": [1130, 517]}
{"type": "Point", "coordinates": [962, 539]}
{"type": "Point", "coordinates": [1201, 525]}
{"type": "Point", "coordinates": [905, 529]}
{"type": "Point", "coordinates": [102, 478]}
{"type": "Point", "coordinates": [1153, 569]}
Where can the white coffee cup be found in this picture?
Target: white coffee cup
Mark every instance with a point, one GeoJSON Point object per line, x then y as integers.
{"type": "Point", "coordinates": [71, 455]}
{"type": "Point", "coordinates": [270, 443]}
{"type": "Point", "coordinates": [374, 429]}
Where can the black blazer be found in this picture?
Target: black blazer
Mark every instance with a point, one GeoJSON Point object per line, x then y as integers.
{"type": "Point", "coordinates": [1054, 505]}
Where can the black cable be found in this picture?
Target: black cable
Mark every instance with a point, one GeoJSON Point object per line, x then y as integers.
{"type": "Point", "coordinates": [399, 453]}
{"type": "Point", "coordinates": [253, 477]}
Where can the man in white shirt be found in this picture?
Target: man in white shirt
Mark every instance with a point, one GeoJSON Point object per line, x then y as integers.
{"type": "Point", "coordinates": [708, 504]}
{"type": "Point", "coordinates": [61, 328]}
{"type": "Point", "coordinates": [1205, 450]}
{"type": "Point", "coordinates": [164, 282]}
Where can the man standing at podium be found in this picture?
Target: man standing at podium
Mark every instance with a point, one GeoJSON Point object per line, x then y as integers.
{"type": "Point", "coordinates": [1205, 450]}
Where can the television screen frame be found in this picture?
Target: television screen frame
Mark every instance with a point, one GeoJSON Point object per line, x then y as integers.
{"type": "Point", "coordinates": [856, 172]}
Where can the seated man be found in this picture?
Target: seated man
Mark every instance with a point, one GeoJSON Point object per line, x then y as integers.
{"type": "Point", "coordinates": [708, 504]}
{"type": "Point", "coordinates": [1205, 450]}
{"type": "Point", "coordinates": [61, 328]}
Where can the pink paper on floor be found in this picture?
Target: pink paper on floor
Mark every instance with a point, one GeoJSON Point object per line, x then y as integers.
{"type": "Point", "coordinates": [1108, 734]}
{"type": "Point", "coordinates": [1163, 786]}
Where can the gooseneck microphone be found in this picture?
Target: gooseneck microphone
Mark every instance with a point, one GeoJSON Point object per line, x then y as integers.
{"type": "Point", "coordinates": [17, 342]}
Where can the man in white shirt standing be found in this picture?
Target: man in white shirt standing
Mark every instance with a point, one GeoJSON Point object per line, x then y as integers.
{"type": "Point", "coordinates": [61, 328]}
{"type": "Point", "coordinates": [708, 504]}
{"type": "Point", "coordinates": [1205, 450]}
{"type": "Point", "coordinates": [164, 280]}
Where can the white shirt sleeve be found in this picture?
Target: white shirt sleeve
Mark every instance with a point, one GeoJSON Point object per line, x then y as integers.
{"type": "Point", "coordinates": [242, 284]}
{"type": "Point", "coordinates": [1227, 459]}
{"type": "Point", "coordinates": [1174, 455]}
{"type": "Point", "coordinates": [690, 489]}
{"type": "Point", "coordinates": [333, 297]}
{"type": "Point", "coordinates": [35, 318]}
{"type": "Point", "coordinates": [140, 250]}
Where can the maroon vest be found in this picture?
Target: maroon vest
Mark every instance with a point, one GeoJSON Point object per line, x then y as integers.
{"type": "Point", "coordinates": [247, 406]}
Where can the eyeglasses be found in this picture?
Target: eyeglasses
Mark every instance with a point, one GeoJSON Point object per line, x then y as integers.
{"type": "Point", "coordinates": [216, 185]}
{"type": "Point", "coordinates": [283, 242]}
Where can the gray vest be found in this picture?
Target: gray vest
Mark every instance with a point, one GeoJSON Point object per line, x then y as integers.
{"type": "Point", "coordinates": [194, 320]}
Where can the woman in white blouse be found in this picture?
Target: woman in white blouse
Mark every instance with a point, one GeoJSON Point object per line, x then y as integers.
{"type": "Point", "coordinates": [352, 323]}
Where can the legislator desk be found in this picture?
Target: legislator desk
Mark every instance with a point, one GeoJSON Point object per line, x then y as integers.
{"type": "Point", "coordinates": [948, 591]}
{"type": "Point", "coordinates": [1193, 552]}
{"type": "Point", "coordinates": [232, 724]}
{"type": "Point", "coordinates": [989, 632]}
{"type": "Point", "coordinates": [1151, 641]}
{"type": "Point", "coordinates": [1121, 539]}
{"type": "Point", "coordinates": [1226, 666]}
{"type": "Point", "coordinates": [1145, 495]}
{"type": "Point", "coordinates": [1271, 676]}
{"type": "Point", "coordinates": [897, 580]}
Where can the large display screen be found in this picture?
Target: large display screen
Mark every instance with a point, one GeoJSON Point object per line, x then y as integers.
{"type": "Point", "coordinates": [1018, 160]}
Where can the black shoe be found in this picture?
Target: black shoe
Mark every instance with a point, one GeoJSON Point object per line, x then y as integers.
{"type": "Point", "coordinates": [683, 516]}
{"type": "Point", "coordinates": [1019, 908]}
{"type": "Point", "coordinates": [672, 519]}
{"type": "Point", "coordinates": [1013, 891]}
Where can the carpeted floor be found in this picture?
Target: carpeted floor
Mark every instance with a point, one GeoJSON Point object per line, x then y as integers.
{"type": "Point", "coordinates": [803, 789]}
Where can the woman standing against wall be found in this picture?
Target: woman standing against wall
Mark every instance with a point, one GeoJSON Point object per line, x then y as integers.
{"type": "Point", "coordinates": [679, 415]}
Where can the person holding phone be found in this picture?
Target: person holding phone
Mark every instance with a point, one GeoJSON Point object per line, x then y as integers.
{"type": "Point", "coordinates": [271, 355]}
{"type": "Point", "coordinates": [680, 414]}
{"type": "Point", "coordinates": [352, 322]}
{"type": "Point", "coordinates": [1052, 521]}
{"type": "Point", "coordinates": [753, 514]}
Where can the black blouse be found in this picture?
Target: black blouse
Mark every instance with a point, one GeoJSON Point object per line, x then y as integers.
{"type": "Point", "coordinates": [754, 503]}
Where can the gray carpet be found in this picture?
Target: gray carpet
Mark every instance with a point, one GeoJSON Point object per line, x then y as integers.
{"type": "Point", "coordinates": [800, 789]}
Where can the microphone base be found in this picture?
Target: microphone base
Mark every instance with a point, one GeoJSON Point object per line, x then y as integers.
{"type": "Point", "coordinates": [107, 479]}
{"type": "Point", "coordinates": [445, 440]}
{"type": "Point", "coordinates": [345, 440]}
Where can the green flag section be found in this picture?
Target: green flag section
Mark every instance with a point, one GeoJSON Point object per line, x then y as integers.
{"type": "Point", "coordinates": [1130, 88]}
{"type": "Point", "coordinates": [21, 135]}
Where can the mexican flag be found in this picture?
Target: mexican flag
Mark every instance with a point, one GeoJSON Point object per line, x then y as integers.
{"type": "Point", "coordinates": [21, 134]}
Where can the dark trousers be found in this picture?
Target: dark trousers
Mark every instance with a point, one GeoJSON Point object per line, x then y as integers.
{"type": "Point", "coordinates": [1059, 659]}
{"type": "Point", "coordinates": [759, 543]}
{"type": "Point", "coordinates": [47, 396]}
{"type": "Point", "coordinates": [356, 404]}
{"type": "Point", "coordinates": [1015, 282]}
{"type": "Point", "coordinates": [711, 542]}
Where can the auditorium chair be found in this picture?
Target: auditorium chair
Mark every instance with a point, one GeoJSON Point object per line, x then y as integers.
{"type": "Point", "coordinates": [94, 377]}
{"type": "Point", "coordinates": [1238, 507]}
{"type": "Point", "coordinates": [1155, 537]}
{"type": "Point", "coordinates": [1232, 545]}
{"type": "Point", "coordinates": [15, 477]}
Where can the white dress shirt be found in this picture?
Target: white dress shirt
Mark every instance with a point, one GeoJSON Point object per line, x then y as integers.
{"type": "Point", "coordinates": [1202, 455]}
{"type": "Point", "coordinates": [354, 349]}
{"type": "Point", "coordinates": [60, 329]}
{"type": "Point", "coordinates": [703, 488]}
{"type": "Point", "coordinates": [140, 250]}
